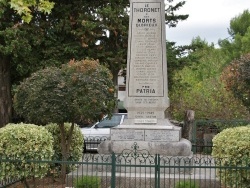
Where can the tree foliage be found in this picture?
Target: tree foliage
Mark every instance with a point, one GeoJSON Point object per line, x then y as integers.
{"type": "Point", "coordinates": [15, 46]}
{"type": "Point", "coordinates": [171, 17]}
{"type": "Point", "coordinates": [179, 57]}
{"type": "Point", "coordinates": [238, 44]}
{"type": "Point", "coordinates": [24, 8]}
{"type": "Point", "coordinates": [240, 24]}
{"type": "Point", "coordinates": [76, 146]}
{"type": "Point", "coordinates": [198, 87]}
{"type": "Point", "coordinates": [23, 142]}
{"type": "Point", "coordinates": [236, 77]}
{"type": "Point", "coordinates": [78, 91]}
{"type": "Point", "coordinates": [231, 148]}
{"type": "Point", "coordinates": [175, 61]}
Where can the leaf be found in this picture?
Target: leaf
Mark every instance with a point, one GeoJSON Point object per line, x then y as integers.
{"type": "Point", "coordinates": [22, 7]}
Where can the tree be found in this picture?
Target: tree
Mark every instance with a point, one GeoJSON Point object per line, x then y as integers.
{"type": "Point", "coordinates": [174, 62]}
{"type": "Point", "coordinates": [13, 43]}
{"type": "Point", "coordinates": [79, 90]}
{"type": "Point", "coordinates": [236, 77]}
{"type": "Point", "coordinates": [179, 57]}
{"type": "Point", "coordinates": [198, 86]}
{"type": "Point", "coordinates": [235, 74]}
{"type": "Point", "coordinates": [25, 8]}
{"type": "Point", "coordinates": [171, 17]}
{"type": "Point", "coordinates": [240, 24]}
{"type": "Point", "coordinates": [238, 44]}
{"type": "Point", "coordinates": [174, 53]}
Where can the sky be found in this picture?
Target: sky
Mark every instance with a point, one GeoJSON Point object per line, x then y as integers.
{"type": "Point", "coordinates": [208, 19]}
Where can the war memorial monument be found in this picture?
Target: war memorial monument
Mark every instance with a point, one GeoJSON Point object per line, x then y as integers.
{"type": "Point", "coordinates": [147, 88]}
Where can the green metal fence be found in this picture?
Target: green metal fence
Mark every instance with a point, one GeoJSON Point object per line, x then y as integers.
{"type": "Point", "coordinates": [135, 168]}
{"type": "Point", "coordinates": [204, 130]}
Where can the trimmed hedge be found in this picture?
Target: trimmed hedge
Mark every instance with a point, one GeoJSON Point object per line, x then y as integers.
{"type": "Point", "coordinates": [23, 142]}
{"type": "Point", "coordinates": [231, 147]}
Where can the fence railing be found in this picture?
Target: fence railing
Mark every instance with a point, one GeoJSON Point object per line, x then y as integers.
{"type": "Point", "coordinates": [91, 143]}
{"type": "Point", "coordinates": [204, 131]}
{"type": "Point", "coordinates": [135, 168]}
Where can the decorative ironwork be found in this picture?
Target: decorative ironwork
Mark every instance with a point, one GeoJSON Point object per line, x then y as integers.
{"type": "Point", "coordinates": [117, 170]}
{"type": "Point", "coordinates": [135, 154]}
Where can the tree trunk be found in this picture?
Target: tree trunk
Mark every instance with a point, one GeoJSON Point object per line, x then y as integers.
{"type": "Point", "coordinates": [65, 144]}
{"type": "Point", "coordinates": [64, 152]}
{"type": "Point", "coordinates": [115, 81]}
{"type": "Point", "coordinates": [5, 92]}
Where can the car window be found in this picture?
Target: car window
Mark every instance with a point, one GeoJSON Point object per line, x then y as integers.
{"type": "Point", "coordinates": [106, 123]}
{"type": "Point", "coordinates": [86, 124]}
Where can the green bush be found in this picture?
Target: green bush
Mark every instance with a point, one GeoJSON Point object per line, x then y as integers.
{"type": "Point", "coordinates": [76, 147]}
{"type": "Point", "coordinates": [22, 142]}
{"type": "Point", "coordinates": [80, 90]}
{"type": "Point", "coordinates": [232, 148]}
{"type": "Point", "coordinates": [87, 182]}
{"type": "Point", "coordinates": [186, 184]}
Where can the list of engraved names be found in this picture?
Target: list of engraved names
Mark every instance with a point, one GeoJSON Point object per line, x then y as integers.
{"type": "Point", "coordinates": [146, 76]}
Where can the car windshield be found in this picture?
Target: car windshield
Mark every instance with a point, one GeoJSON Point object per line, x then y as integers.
{"type": "Point", "coordinates": [107, 123]}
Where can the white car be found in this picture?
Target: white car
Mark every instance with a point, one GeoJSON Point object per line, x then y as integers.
{"type": "Point", "coordinates": [100, 131]}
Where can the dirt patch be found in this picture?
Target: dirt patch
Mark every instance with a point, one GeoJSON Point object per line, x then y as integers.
{"type": "Point", "coordinates": [46, 182]}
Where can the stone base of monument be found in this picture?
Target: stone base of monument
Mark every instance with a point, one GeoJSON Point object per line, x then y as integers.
{"type": "Point", "coordinates": [180, 149]}
{"type": "Point", "coordinates": [162, 138]}
{"type": "Point", "coordinates": [138, 144]}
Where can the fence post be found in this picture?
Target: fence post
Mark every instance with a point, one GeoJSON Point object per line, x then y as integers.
{"type": "Point", "coordinates": [188, 125]}
{"type": "Point", "coordinates": [113, 170]}
{"type": "Point", "coordinates": [157, 171]}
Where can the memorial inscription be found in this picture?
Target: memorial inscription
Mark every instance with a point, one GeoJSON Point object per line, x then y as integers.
{"type": "Point", "coordinates": [146, 51]}
{"type": "Point", "coordinates": [162, 135]}
{"type": "Point", "coordinates": [126, 134]}
{"type": "Point", "coordinates": [146, 93]}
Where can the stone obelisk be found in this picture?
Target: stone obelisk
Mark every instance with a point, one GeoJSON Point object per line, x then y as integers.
{"type": "Point", "coordinates": [147, 87]}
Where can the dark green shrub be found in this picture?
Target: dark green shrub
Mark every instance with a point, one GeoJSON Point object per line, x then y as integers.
{"type": "Point", "coordinates": [87, 182]}
{"type": "Point", "coordinates": [76, 145]}
{"type": "Point", "coordinates": [232, 149]}
{"type": "Point", "coordinates": [80, 90]}
{"type": "Point", "coordinates": [24, 142]}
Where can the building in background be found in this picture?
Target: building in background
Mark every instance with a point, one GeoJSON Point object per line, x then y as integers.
{"type": "Point", "coordinates": [121, 90]}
